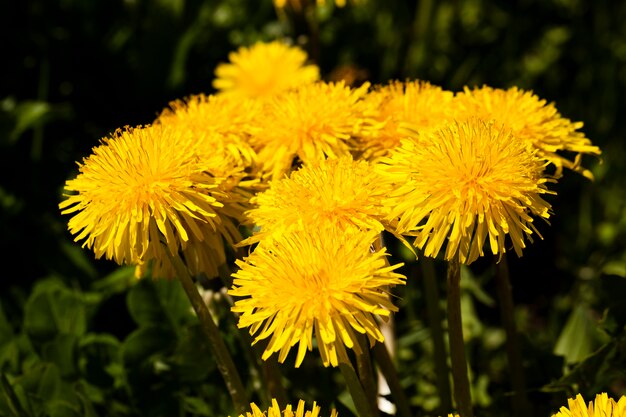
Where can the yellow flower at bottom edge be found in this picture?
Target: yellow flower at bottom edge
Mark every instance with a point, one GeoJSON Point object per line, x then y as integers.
{"type": "Point", "coordinates": [603, 406]}
{"type": "Point", "coordinates": [264, 70]}
{"type": "Point", "coordinates": [324, 281]}
{"type": "Point", "coordinates": [274, 411]}
{"type": "Point", "coordinates": [463, 184]}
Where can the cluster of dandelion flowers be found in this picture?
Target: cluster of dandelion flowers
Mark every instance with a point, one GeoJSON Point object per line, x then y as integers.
{"type": "Point", "coordinates": [463, 183]}
{"type": "Point", "coordinates": [144, 188]}
{"type": "Point", "coordinates": [264, 70]}
{"type": "Point", "coordinates": [222, 122]}
{"type": "Point", "coordinates": [324, 281]}
{"type": "Point", "coordinates": [343, 192]}
{"type": "Point", "coordinates": [309, 124]}
{"type": "Point", "coordinates": [402, 108]}
{"type": "Point", "coordinates": [603, 406]}
{"type": "Point", "coordinates": [532, 119]}
{"type": "Point", "coordinates": [275, 411]}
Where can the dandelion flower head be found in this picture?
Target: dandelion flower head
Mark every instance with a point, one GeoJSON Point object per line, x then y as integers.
{"type": "Point", "coordinates": [403, 108]}
{"type": "Point", "coordinates": [532, 119]}
{"type": "Point", "coordinates": [603, 406]}
{"type": "Point", "coordinates": [264, 70]}
{"type": "Point", "coordinates": [144, 186]}
{"type": "Point", "coordinates": [324, 281]}
{"type": "Point", "coordinates": [463, 183]}
{"type": "Point", "coordinates": [223, 123]}
{"type": "Point", "coordinates": [340, 191]}
{"type": "Point", "coordinates": [274, 411]}
{"type": "Point", "coordinates": [309, 124]}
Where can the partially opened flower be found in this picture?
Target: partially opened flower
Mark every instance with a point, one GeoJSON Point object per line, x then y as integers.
{"type": "Point", "coordinates": [532, 119]}
{"type": "Point", "coordinates": [603, 406]}
{"type": "Point", "coordinates": [324, 281]}
{"type": "Point", "coordinates": [275, 411]}
{"type": "Point", "coordinates": [309, 124]}
{"type": "Point", "coordinates": [402, 108]}
{"type": "Point", "coordinates": [342, 192]}
{"type": "Point", "coordinates": [148, 188]}
{"type": "Point", "coordinates": [221, 122]}
{"type": "Point", "coordinates": [463, 184]}
{"type": "Point", "coordinates": [264, 70]}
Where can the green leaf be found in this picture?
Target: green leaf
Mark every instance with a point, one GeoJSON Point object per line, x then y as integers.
{"type": "Point", "coordinates": [62, 352]}
{"type": "Point", "coordinates": [146, 341]}
{"type": "Point", "coordinates": [101, 359]}
{"type": "Point", "coordinates": [78, 256]}
{"type": "Point", "coordinates": [29, 114]}
{"type": "Point", "coordinates": [160, 302]}
{"type": "Point", "coordinates": [9, 349]}
{"type": "Point", "coordinates": [116, 282]}
{"type": "Point", "coordinates": [579, 335]}
{"type": "Point", "coordinates": [192, 360]}
{"type": "Point", "coordinates": [6, 331]}
{"type": "Point", "coordinates": [197, 407]}
{"type": "Point", "coordinates": [149, 375]}
{"type": "Point", "coordinates": [64, 409]}
{"type": "Point", "coordinates": [51, 309]}
{"type": "Point", "coordinates": [10, 403]}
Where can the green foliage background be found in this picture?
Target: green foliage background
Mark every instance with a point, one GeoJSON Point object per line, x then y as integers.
{"type": "Point", "coordinates": [80, 336]}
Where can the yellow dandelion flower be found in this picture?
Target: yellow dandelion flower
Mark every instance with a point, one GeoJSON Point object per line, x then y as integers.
{"type": "Point", "coordinates": [532, 119]}
{"type": "Point", "coordinates": [324, 281]}
{"type": "Point", "coordinates": [603, 406]}
{"type": "Point", "coordinates": [341, 191]}
{"type": "Point", "coordinates": [402, 108]}
{"type": "Point", "coordinates": [223, 122]}
{"type": "Point", "coordinates": [310, 123]}
{"type": "Point", "coordinates": [274, 411]}
{"type": "Point", "coordinates": [264, 70]}
{"type": "Point", "coordinates": [464, 183]}
{"type": "Point", "coordinates": [298, 4]}
{"type": "Point", "coordinates": [149, 185]}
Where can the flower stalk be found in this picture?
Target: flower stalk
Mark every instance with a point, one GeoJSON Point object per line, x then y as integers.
{"type": "Point", "coordinates": [462, 394]}
{"type": "Point", "coordinates": [505, 297]}
{"type": "Point", "coordinates": [366, 372]}
{"type": "Point", "coordinates": [224, 361]}
{"type": "Point", "coordinates": [359, 397]}
{"type": "Point", "coordinates": [387, 368]}
{"type": "Point", "coordinates": [437, 336]}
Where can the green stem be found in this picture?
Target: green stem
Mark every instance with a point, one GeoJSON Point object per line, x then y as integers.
{"type": "Point", "coordinates": [267, 368]}
{"type": "Point", "coordinates": [387, 368]}
{"type": "Point", "coordinates": [520, 403]}
{"type": "Point", "coordinates": [224, 361]}
{"type": "Point", "coordinates": [433, 313]}
{"type": "Point", "coordinates": [273, 379]}
{"type": "Point", "coordinates": [457, 346]}
{"type": "Point", "coordinates": [357, 392]}
{"type": "Point", "coordinates": [366, 372]}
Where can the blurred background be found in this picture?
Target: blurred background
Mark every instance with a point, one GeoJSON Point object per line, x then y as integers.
{"type": "Point", "coordinates": [75, 336]}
